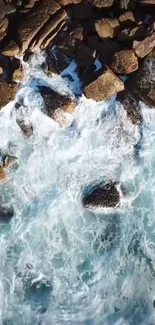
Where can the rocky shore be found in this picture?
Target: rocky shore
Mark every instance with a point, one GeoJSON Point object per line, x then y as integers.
{"type": "Point", "coordinates": [119, 35]}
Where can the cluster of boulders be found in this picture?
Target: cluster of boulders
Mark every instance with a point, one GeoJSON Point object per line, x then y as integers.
{"type": "Point", "coordinates": [117, 36]}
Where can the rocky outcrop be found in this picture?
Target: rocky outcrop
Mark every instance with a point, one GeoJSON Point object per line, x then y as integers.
{"type": "Point", "coordinates": [124, 62]}
{"type": "Point", "coordinates": [101, 195]}
{"type": "Point", "coordinates": [104, 87]}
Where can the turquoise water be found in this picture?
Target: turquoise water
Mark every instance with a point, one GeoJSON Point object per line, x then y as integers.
{"type": "Point", "coordinates": [62, 264]}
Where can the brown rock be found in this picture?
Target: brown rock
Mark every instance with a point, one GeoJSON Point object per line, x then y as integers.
{"type": "Point", "coordinates": [102, 3]}
{"type": "Point", "coordinates": [18, 74]}
{"type": "Point", "coordinates": [7, 92]}
{"type": "Point", "coordinates": [54, 101]}
{"type": "Point", "coordinates": [33, 22]}
{"type": "Point", "coordinates": [2, 10]}
{"type": "Point", "coordinates": [11, 49]}
{"type": "Point", "coordinates": [77, 33]}
{"type": "Point", "coordinates": [104, 87]}
{"type": "Point", "coordinates": [106, 27]}
{"type": "Point", "coordinates": [144, 47]}
{"type": "Point", "coordinates": [107, 49]}
{"type": "Point", "coordinates": [124, 62]}
{"type": "Point", "coordinates": [81, 11]}
{"type": "Point", "coordinates": [68, 2]}
{"type": "Point", "coordinates": [3, 27]}
{"type": "Point", "coordinates": [1, 70]}
{"type": "Point", "coordinates": [49, 30]}
{"type": "Point", "coordinates": [127, 19]}
{"type": "Point", "coordinates": [147, 2]}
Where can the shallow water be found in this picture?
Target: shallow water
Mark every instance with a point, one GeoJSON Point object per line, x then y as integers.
{"type": "Point", "coordinates": [62, 264]}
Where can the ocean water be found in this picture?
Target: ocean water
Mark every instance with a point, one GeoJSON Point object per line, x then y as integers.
{"type": "Point", "coordinates": [59, 262]}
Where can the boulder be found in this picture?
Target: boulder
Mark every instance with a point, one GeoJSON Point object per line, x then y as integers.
{"type": "Point", "coordinates": [131, 104]}
{"type": "Point", "coordinates": [11, 49]}
{"type": "Point", "coordinates": [142, 82]}
{"type": "Point", "coordinates": [83, 55]}
{"type": "Point", "coordinates": [81, 11]}
{"type": "Point", "coordinates": [102, 3]}
{"type": "Point", "coordinates": [31, 25]}
{"type": "Point", "coordinates": [124, 62]}
{"type": "Point", "coordinates": [55, 103]}
{"type": "Point", "coordinates": [107, 49]}
{"type": "Point", "coordinates": [7, 92]}
{"type": "Point", "coordinates": [2, 10]}
{"type": "Point", "coordinates": [102, 195]}
{"type": "Point", "coordinates": [127, 19]}
{"type": "Point", "coordinates": [6, 213]}
{"type": "Point", "coordinates": [104, 87]}
{"type": "Point", "coordinates": [130, 34]}
{"type": "Point", "coordinates": [144, 47]}
{"type": "Point", "coordinates": [107, 27]}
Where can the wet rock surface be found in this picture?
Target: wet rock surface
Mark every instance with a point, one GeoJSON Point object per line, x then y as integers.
{"type": "Point", "coordinates": [102, 195]}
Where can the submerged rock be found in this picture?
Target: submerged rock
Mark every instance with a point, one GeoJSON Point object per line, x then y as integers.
{"type": "Point", "coordinates": [6, 213]}
{"type": "Point", "coordinates": [102, 195]}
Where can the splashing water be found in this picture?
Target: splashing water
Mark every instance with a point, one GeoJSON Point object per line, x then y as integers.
{"type": "Point", "coordinates": [61, 263]}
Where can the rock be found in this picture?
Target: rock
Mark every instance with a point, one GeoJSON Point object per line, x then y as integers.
{"type": "Point", "coordinates": [83, 55]}
{"type": "Point", "coordinates": [93, 42]}
{"type": "Point", "coordinates": [18, 74]}
{"type": "Point", "coordinates": [106, 27]}
{"type": "Point", "coordinates": [54, 102]}
{"type": "Point", "coordinates": [144, 47]}
{"type": "Point", "coordinates": [77, 32]}
{"type": "Point", "coordinates": [142, 82]}
{"type": "Point", "coordinates": [2, 10]}
{"type": "Point", "coordinates": [49, 31]}
{"type": "Point", "coordinates": [23, 118]}
{"type": "Point", "coordinates": [3, 27]}
{"type": "Point", "coordinates": [81, 11]}
{"type": "Point", "coordinates": [102, 195]}
{"type": "Point", "coordinates": [104, 87]}
{"type": "Point", "coordinates": [6, 213]}
{"type": "Point", "coordinates": [127, 4]}
{"type": "Point", "coordinates": [7, 92]}
{"type": "Point", "coordinates": [11, 49]}
{"type": "Point", "coordinates": [147, 2]}
{"type": "Point", "coordinates": [131, 104]}
{"type": "Point", "coordinates": [102, 3]}
{"type": "Point", "coordinates": [131, 34]}
{"type": "Point", "coordinates": [127, 19]}
{"type": "Point", "coordinates": [124, 62]}
{"type": "Point", "coordinates": [33, 22]}
{"type": "Point", "coordinates": [68, 2]}
{"type": "Point", "coordinates": [107, 49]}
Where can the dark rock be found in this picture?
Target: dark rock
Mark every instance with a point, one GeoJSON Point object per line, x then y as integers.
{"type": "Point", "coordinates": [83, 55]}
{"type": "Point", "coordinates": [77, 32]}
{"type": "Point", "coordinates": [23, 118]}
{"type": "Point", "coordinates": [93, 42]}
{"type": "Point", "coordinates": [131, 104]}
{"type": "Point", "coordinates": [102, 195]}
{"type": "Point", "coordinates": [106, 27]}
{"type": "Point", "coordinates": [144, 47]}
{"type": "Point", "coordinates": [142, 82]}
{"type": "Point", "coordinates": [107, 49]}
{"type": "Point", "coordinates": [57, 104]}
{"type": "Point", "coordinates": [127, 19]}
{"type": "Point", "coordinates": [6, 213]}
{"type": "Point", "coordinates": [11, 49]}
{"type": "Point", "coordinates": [124, 62]}
{"type": "Point", "coordinates": [104, 87]}
{"type": "Point", "coordinates": [130, 34]}
{"type": "Point", "coordinates": [81, 11]}
{"type": "Point", "coordinates": [2, 10]}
